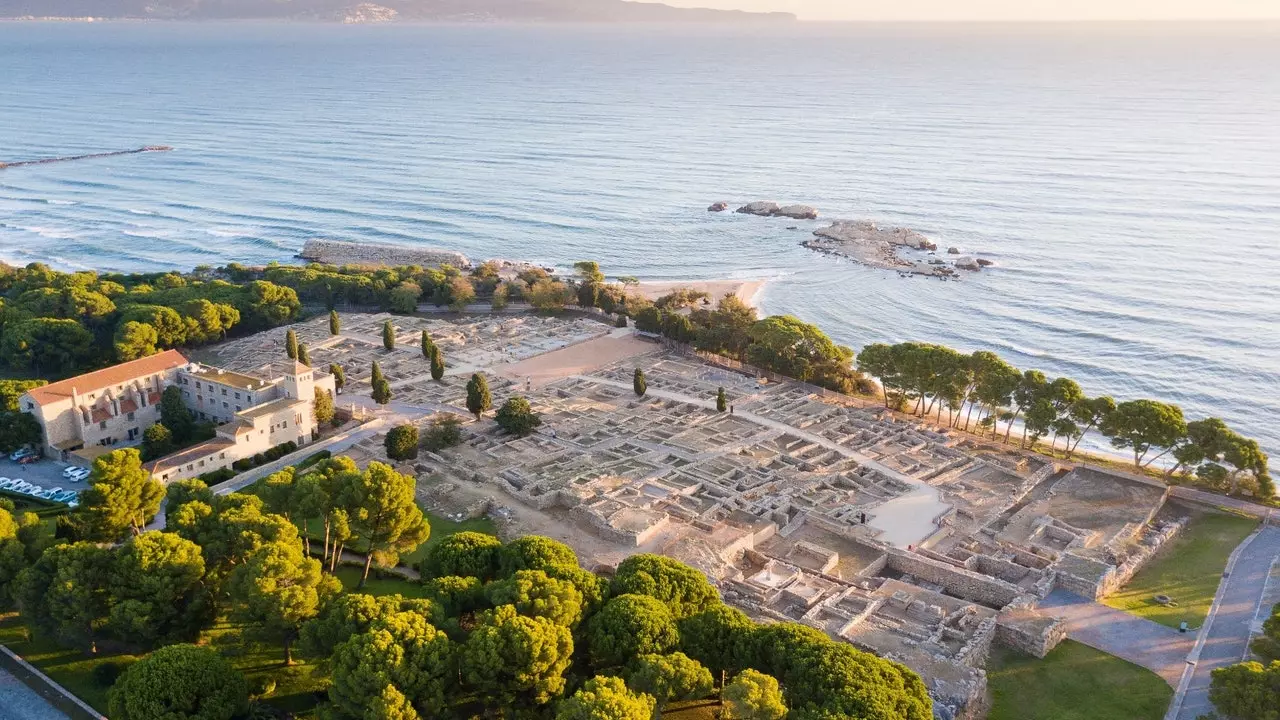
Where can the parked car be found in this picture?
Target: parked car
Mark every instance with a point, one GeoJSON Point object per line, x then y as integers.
{"type": "Point", "coordinates": [20, 453]}
{"type": "Point", "coordinates": [6, 483]}
{"type": "Point", "coordinates": [70, 470]}
{"type": "Point", "coordinates": [78, 475]}
{"type": "Point", "coordinates": [28, 459]}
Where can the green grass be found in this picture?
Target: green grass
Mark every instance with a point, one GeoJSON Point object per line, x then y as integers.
{"type": "Point", "coordinates": [73, 669]}
{"type": "Point", "coordinates": [1188, 570]}
{"type": "Point", "coordinates": [441, 528]}
{"type": "Point", "coordinates": [377, 586]}
{"type": "Point", "coordinates": [1074, 682]}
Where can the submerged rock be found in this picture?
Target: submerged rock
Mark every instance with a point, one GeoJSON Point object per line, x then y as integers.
{"type": "Point", "coordinates": [763, 208]}
{"type": "Point", "coordinates": [953, 251]}
{"type": "Point", "coordinates": [968, 263]}
{"type": "Point", "coordinates": [798, 212]}
{"type": "Point", "coordinates": [718, 207]}
{"type": "Point", "coordinates": [985, 262]}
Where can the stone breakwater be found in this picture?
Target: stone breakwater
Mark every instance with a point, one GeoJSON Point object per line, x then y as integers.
{"type": "Point", "coordinates": [335, 252]}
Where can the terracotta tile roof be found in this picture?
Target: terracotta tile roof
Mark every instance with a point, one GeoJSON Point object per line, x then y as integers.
{"type": "Point", "coordinates": [128, 406]}
{"type": "Point", "coordinates": [100, 415]}
{"type": "Point", "coordinates": [107, 377]}
{"type": "Point", "coordinates": [154, 398]}
{"type": "Point", "coordinates": [191, 454]}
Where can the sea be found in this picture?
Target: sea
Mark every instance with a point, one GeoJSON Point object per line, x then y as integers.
{"type": "Point", "coordinates": [1125, 179]}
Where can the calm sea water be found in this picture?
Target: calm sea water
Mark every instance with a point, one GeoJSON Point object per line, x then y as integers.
{"type": "Point", "coordinates": [1127, 181]}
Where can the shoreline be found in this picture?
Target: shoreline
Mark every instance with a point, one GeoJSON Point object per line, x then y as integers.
{"type": "Point", "coordinates": [748, 291]}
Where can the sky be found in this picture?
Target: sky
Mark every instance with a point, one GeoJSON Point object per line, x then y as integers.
{"type": "Point", "coordinates": [989, 10]}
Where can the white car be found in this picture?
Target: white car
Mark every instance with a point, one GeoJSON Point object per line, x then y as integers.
{"type": "Point", "coordinates": [77, 474]}
{"type": "Point", "coordinates": [20, 453]}
{"type": "Point", "coordinates": [6, 483]}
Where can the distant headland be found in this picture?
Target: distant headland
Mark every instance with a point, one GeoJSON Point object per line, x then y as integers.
{"type": "Point", "coordinates": [345, 11]}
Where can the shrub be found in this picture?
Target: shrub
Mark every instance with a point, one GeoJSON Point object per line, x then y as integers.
{"type": "Point", "coordinates": [106, 673]}
{"type": "Point", "coordinates": [443, 433]}
{"type": "Point", "coordinates": [402, 442]}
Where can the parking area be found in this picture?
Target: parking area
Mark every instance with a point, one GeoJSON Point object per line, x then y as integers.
{"type": "Point", "coordinates": [45, 475]}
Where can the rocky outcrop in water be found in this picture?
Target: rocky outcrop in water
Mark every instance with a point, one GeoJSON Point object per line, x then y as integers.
{"type": "Point", "coordinates": [765, 208]}
{"type": "Point", "coordinates": [798, 212]}
{"type": "Point", "coordinates": [718, 207]}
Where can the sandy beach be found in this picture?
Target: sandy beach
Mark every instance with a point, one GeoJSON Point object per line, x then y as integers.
{"type": "Point", "coordinates": [746, 290]}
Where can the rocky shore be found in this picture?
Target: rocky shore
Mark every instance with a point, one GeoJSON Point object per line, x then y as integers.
{"type": "Point", "coordinates": [335, 252]}
{"type": "Point", "coordinates": [765, 208]}
{"type": "Point", "coordinates": [874, 246]}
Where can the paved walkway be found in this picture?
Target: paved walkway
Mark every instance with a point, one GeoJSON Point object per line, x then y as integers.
{"type": "Point", "coordinates": [1226, 637]}
{"type": "Point", "coordinates": [1158, 648]}
{"type": "Point", "coordinates": [19, 702]}
{"type": "Point", "coordinates": [903, 520]}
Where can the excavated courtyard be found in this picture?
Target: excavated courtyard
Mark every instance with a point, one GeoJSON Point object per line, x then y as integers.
{"type": "Point", "coordinates": [914, 543]}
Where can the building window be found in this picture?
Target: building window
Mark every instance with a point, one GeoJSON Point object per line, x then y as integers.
{"type": "Point", "coordinates": [102, 425]}
{"type": "Point", "coordinates": [224, 392]}
{"type": "Point", "coordinates": [237, 396]}
{"type": "Point", "coordinates": [224, 403]}
{"type": "Point", "coordinates": [201, 463]}
{"type": "Point", "coordinates": [130, 416]}
{"type": "Point", "coordinates": [237, 408]}
{"type": "Point", "coordinates": [190, 467]}
{"type": "Point", "coordinates": [222, 456]}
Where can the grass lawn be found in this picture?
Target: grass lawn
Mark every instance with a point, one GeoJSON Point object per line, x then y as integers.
{"type": "Point", "coordinates": [73, 669]}
{"type": "Point", "coordinates": [1074, 682]}
{"type": "Point", "coordinates": [388, 585]}
{"type": "Point", "coordinates": [1188, 570]}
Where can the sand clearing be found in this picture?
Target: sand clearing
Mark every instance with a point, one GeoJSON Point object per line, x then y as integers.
{"type": "Point", "coordinates": [746, 290]}
{"type": "Point", "coordinates": [576, 359]}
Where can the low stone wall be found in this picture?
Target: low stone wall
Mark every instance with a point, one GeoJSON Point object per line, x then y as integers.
{"type": "Point", "coordinates": [334, 252]}
{"type": "Point", "coordinates": [1029, 631]}
{"type": "Point", "coordinates": [956, 581]}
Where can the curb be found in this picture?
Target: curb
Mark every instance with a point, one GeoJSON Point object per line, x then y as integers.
{"type": "Point", "coordinates": [1180, 695]}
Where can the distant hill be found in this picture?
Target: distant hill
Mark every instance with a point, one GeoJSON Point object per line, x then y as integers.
{"type": "Point", "coordinates": [381, 11]}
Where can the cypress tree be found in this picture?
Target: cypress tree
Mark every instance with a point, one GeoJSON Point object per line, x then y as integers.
{"type": "Point", "coordinates": [388, 336]}
{"type": "Point", "coordinates": [639, 384]}
{"type": "Point", "coordinates": [437, 363]}
{"type": "Point", "coordinates": [335, 324]}
{"type": "Point", "coordinates": [291, 344]}
{"type": "Point", "coordinates": [381, 392]}
{"type": "Point", "coordinates": [339, 376]}
{"type": "Point", "coordinates": [427, 346]}
{"type": "Point", "coordinates": [304, 357]}
{"type": "Point", "coordinates": [478, 398]}
{"type": "Point", "coordinates": [722, 402]}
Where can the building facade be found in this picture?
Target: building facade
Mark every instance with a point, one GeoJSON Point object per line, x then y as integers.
{"type": "Point", "coordinates": [94, 413]}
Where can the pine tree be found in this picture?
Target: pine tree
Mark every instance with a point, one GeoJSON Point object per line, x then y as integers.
{"type": "Point", "coordinates": [304, 357]}
{"type": "Point", "coordinates": [478, 397]}
{"type": "Point", "coordinates": [722, 402]}
{"type": "Point", "coordinates": [381, 392]}
{"type": "Point", "coordinates": [335, 324]}
{"type": "Point", "coordinates": [437, 363]}
{"type": "Point", "coordinates": [291, 344]}
{"type": "Point", "coordinates": [388, 336]}
{"type": "Point", "coordinates": [639, 384]}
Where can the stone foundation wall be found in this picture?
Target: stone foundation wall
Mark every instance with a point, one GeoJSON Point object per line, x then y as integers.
{"type": "Point", "coordinates": [1030, 631]}
{"type": "Point", "coordinates": [958, 582]}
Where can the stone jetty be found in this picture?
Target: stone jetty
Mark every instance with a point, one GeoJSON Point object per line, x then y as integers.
{"type": "Point", "coordinates": [90, 156]}
{"type": "Point", "coordinates": [334, 252]}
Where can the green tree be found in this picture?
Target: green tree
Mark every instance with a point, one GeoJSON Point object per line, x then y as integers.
{"type": "Point", "coordinates": [517, 417]}
{"type": "Point", "coordinates": [461, 293]}
{"type": "Point", "coordinates": [456, 595]}
{"type": "Point", "coordinates": [156, 591]}
{"type": "Point", "coordinates": [404, 298]}
{"type": "Point", "coordinates": [445, 432]}
{"type": "Point", "coordinates": [351, 614]}
{"type": "Point", "coordinates": [606, 698]}
{"type": "Point", "coordinates": [64, 593]}
{"type": "Point", "coordinates": [510, 657]}
{"type": "Point", "coordinates": [402, 651]}
{"type": "Point", "coordinates": [19, 429]}
{"type": "Point", "coordinates": [175, 415]}
{"type": "Point", "coordinates": [388, 336]}
{"type": "Point", "coordinates": [386, 515]}
{"type": "Point", "coordinates": [135, 340]}
{"type": "Point", "coordinates": [427, 345]}
{"type": "Point", "coordinates": [437, 364]}
{"type": "Point", "coordinates": [478, 398]}
{"type": "Point", "coordinates": [121, 497]}
{"type": "Point", "coordinates": [628, 626]}
{"type": "Point", "coordinates": [720, 637]}
{"type": "Point", "coordinates": [549, 296]}
{"type": "Point", "coordinates": [1247, 691]}
{"type": "Point", "coordinates": [291, 344]}
{"type": "Point", "coordinates": [669, 678]}
{"type": "Point", "coordinates": [589, 272]}
{"type": "Point", "coordinates": [1265, 646]}
{"type": "Point", "coordinates": [638, 383]}
{"type": "Point", "coordinates": [534, 552]}
{"type": "Point", "coordinates": [322, 407]}
{"type": "Point", "coordinates": [180, 681]}
{"type": "Point", "coordinates": [335, 323]}
{"type": "Point", "coordinates": [1088, 414]}
{"type": "Point", "coordinates": [753, 696]}
{"type": "Point", "coordinates": [304, 356]}
{"type": "Point", "coordinates": [536, 594]}
{"type": "Point", "coordinates": [157, 442]}
{"type": "Point", "coordinates": [46, 346]}
{"type": "Point", "coordinates": [683, 590]}
{"type": "Point", "coordinates": [786, 345]}
{"type": "Point", "coordinates": [1143, 425]}
{"type": "Point", "coordinates": [278, 589]}
{"type": "Point", "coordinates": [339, 376]}
{"type": "Point", "coordinates": [380, 388]}
{"type": "Point", "coordinates": [722, 401]}
{"type": "Point", "coordinates": [402, 442]}
{"type": "Point", "coordinates": [468, 554]}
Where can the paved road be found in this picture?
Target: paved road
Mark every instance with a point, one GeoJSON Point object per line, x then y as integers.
{"type": "Point", "coordinates": [19, 702]}
{"type": "Point", "coordinates": [1227, 639]}
{"type": "Point", "coordinates": [1158, 648]}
